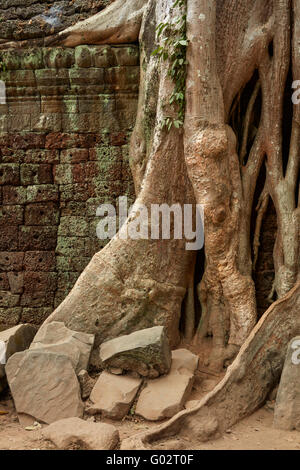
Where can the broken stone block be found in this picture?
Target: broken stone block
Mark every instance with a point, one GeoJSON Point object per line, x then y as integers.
{"type": "Point", "coordinates": [84, 434]}
{"type": "Point", "coordinates": [44, 386]}
{"type": "Point", "coordinates": [166, 396]}
{"type": "Point", "coordinates": [287, 407]}
{"type": "Point", "coordinates": [86, 384]}
{"type": "Point", "coordinates": [56, 337]}
{"type": "Point", "coordinates": [13, 340]}
{"type": "Point", "coordinates": [145, 351]}
{"type": "Point", "coordinates": [113, 395]}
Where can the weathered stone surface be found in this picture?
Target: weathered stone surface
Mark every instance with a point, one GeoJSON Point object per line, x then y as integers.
{"type": "Point", "coordinates": [13, 340]}
{"type": "Point", "coordinates": [60, 124]}
{"type": "Point", "coordinates": [113, 395]}
{"type": "Point", "coordinates": [17, 338]}
{"type": "Point", "coordinates": [145, 351]}
{"type": "Point", "coordinates": [56, 337]}
{"type": "Point", "coordinates": [86, 384]}
{"type": "Point", "coordinates": [287, 408]}
{"type": "Point", "coordinates": [82, 434]}
{"type": "Point", "coordinates": [44, 386]}
{"type": "Point", "coordinates": [166, 396]}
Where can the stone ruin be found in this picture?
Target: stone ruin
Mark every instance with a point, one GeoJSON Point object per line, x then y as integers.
{"type": "Point", "coordinates": [65, 126]}
{"type": "Point", "coordinates": [48, 377]}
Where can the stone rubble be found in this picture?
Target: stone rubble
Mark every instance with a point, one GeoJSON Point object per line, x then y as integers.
{"type": "Point", "coordinates": [113, 395]}
{"type": "Point", "coordinates": [56, 337]}
{"type": "Point", "coordinates": [145, 351]}
{"type": "Point", "coordinates": [44, 386]}
{"type": "Point", "coordinates": [13, 340]}
{"type": "Point", "coordinates": [166, 396]}
{"type": "Point", "coordinates": [49, 380]}
{"type": "Point", "coordinates": [287, 407]}
{"type": "Point", "coordinates": [87, 435]}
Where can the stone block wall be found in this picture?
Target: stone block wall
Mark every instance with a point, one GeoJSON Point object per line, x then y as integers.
{"type": "Point", "coordinates": [64, 135]}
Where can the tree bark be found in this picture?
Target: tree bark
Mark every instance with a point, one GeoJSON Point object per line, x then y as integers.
{"type": "Point", "coordinates": [122, 290]}
{"type": "Point", "coordinates": [246, 385]}
{"type": "Point", "coordinates": [133, 284]}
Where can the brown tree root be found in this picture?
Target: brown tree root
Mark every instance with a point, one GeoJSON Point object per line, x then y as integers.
{"type": "Point", "coordinates": [248, 380]}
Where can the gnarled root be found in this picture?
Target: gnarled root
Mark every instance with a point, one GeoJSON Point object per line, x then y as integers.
{"type": "Point", "coordinates": [246, 384]}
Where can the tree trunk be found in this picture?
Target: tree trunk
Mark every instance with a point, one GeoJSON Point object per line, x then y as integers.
{"type": "Point", "coordinates": [245, 387]}
{"type": "Point", "coordinates": [134, 284]}
{"type": "Point", "coordinates": [240, 54]}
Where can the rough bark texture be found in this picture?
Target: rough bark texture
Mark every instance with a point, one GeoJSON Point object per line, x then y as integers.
{"type": "Point", "coordinates": [248, 380]}
{"type": "Point", "coordinates": [135, 284]}
{"type": "Point", "coordinates": [237, 87]}
{"type": "Point", "coordinates": [237, 39]}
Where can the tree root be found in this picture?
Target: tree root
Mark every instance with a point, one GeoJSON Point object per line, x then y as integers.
{"type": "Point", "coordinates": [261, 210]}
{"type": "Point", "coordinates": [248, 380]}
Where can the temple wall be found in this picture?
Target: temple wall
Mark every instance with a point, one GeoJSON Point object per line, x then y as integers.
{"type": "Point", "coordinates": [64, 134]}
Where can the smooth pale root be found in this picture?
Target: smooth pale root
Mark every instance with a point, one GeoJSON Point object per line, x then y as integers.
{"type": "Point", "coordinates": [84, 434]}
{"type": "Point", "coordinates": [134, 284]}
{"type": "Point", "coordinates": [166, 396]}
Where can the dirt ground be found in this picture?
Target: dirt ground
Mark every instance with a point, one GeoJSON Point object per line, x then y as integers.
{"type": "Point", "coordinates": [255, 432]}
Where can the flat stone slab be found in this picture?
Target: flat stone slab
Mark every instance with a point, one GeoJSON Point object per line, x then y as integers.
{"type": "Point", "coordinates": [145, 351]}
{"type": "Point", "coordinates": [164, 397]}
{"type": "Point", "coordinates": [287, 407]}
{"type": "Point", "coordinates": [56, 337]}
{"type": "Point", "coordinates": [113, 395]}
{"type": "Point", "coordinates": [84, 434]}
{"type": "Point", "coordinates": [13, 340]}
{"type": "Point", "coordinates": [44, 386]}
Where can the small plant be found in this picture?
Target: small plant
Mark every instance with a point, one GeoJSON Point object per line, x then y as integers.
{"type": "Point", "coordinates": [174, 51]}
{"type": "Point", "coordinates": [2, 65]}
{"type": "Point", "coordinates": [132, 410]}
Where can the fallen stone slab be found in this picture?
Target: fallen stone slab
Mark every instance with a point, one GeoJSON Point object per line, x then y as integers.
{"type": "Point", "coordinates": [44, 386]}
{"type": "Point", "coordinates": [287, 407]}
{"type": "Point", "coordinates": [70, 432]}
{"type": "Point", "coordinates": [145, 351]}
{"type": "Point", "coordinates": [56, 337]}
{"type": "Point", "coordinates": [113, 395]}
{"type": "Point", "coordinates": [13, 340]}
{"type": "Point", "coordinates": [166, 396]}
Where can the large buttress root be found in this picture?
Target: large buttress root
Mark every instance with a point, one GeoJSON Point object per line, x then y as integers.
{"type": "Point", "coordinates": [137, 283]}
{"type": "Point", "coordinates": [212, 164]}
{"type": "Point", "coordinates": [248, 380]}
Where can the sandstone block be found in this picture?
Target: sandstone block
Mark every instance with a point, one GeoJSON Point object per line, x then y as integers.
{"type": "Point", "coordinates": [146, 352]}
{"type": "Point", "coordinates": [113, 395]}
{"type": "Point", "coordinates": [166, 396]}
{"type": "Point", "coordinates": [56, 337]}
{"type": "Point", "coordinates": [287, 408]}
{"type": "Point", "coordinates": [86, 435]}
{"type": "Point", "coordinates": [44, 386]}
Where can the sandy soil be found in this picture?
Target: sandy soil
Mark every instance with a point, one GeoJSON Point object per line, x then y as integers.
{"type": "Point", "coordinates": [254, 432]}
